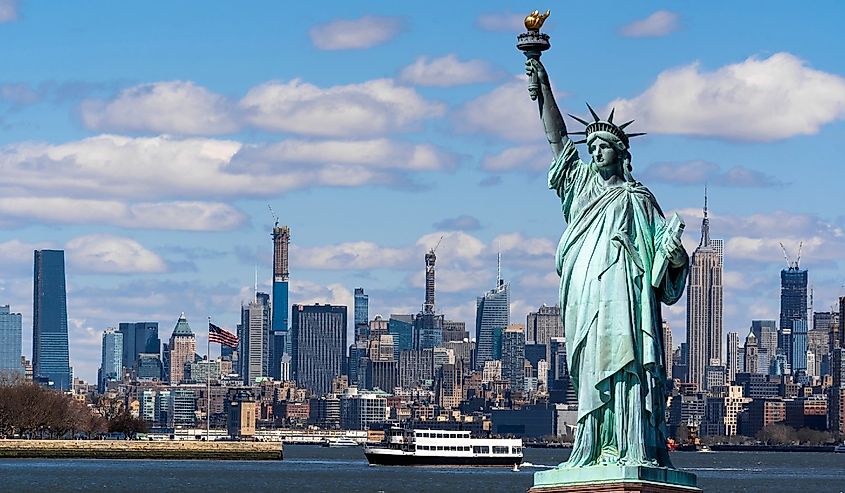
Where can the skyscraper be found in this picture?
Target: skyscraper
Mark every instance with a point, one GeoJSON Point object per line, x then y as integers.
{"type": "Point", "coordinates": [704, 304]}
{"type": "Point", "coordinates": [793, 297]}
{"type": "Point", "coordinates": [50, 362]}
{"type": "Point", "coordinates": [732, 364]}
{"type": "Point", "coordinates": [766, 332]}
{"type": "Point", "coordinates": [278, 339]}
{"type": "Point", "coordinates": [667, 348]}
{"type": "Point", "coordinates": [138, 338]}
{"type": "Point", "coordinates": [513, 356]}
{"type": "Point", "coordinates": [492, 315]}
{"type": "Point", "coordinates": [362, 314]}
{"type": "Point", "coordinates": [428, 326]}
{"type": "Point", "coordinates": [10, 342]}
{"type": "Point", "coordinates": [798, 359]}
{"type": "Point", "coordinates": [254, 339]}
{"type": "Point", "coordinates": [542, 325]}
{"type": "Point", "coordinates": [111, 360]}
{"type": "Point", "coordinates": [318, 336]}
{"type": "Point", "coordinates": [182, 349]}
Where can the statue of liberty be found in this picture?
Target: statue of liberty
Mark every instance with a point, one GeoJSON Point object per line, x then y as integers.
{"type": "Point", "coordinates": [618, 259]}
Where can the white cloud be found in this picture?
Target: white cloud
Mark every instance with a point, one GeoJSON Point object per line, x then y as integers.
{"type": "Point", "coordinates": [8, 10]}
{"type": "Point", "coordinates": [657, 24]}
{"type": "Point", "coordinates": [192, 216]}
{"type": "Point", "coordinates": [373, 153]}
{"type": "Point", "coordinates": [17, 255]}
{"type": "Point", "coordinates": [159, 168]}
{"type": "Point", "coordinates": [355, 34]}
{"type": "Point", "coordinates": [506, 112]}
{"type": "Point", "coordinates": [447, 71]}
{"type": "Point", "coordinates": [501, 22]}
{"type": "Point", "coordinates": [528, 157]}
{"type": "Point", "coordinates": [361, 255]}
{"type": "Point", "coordinates": [757, 100]}
{"type": "Point", "coordinates": [102, 253]}
{"type": "Point", "coordinates": [175, 107]}
{"type": "Point", "coordinates": [705, 173]}
{"type": "Point", "coordinates": [356, 110]}
{"type": "Point", "coordinates": [308, 293]}
{"type": "Point", "coordinates": [456, 245]}
{"type": "Point", "coordinates": [516, 242]}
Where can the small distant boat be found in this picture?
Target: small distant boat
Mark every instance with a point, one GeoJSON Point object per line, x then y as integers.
{"type": "Point", "coordinates": [839, 449]}
{"type": "Point", "coordinates": [705, 449]}
{"type": "Point", "coordinates": [340, 442]}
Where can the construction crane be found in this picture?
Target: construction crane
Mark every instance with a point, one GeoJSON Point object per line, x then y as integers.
{"type": "Point", "coordinates": [789, 263]}
{"type": "Point", "coordinates": [275, 217]}
{"type": "Point", "coordinates": [438, 243]}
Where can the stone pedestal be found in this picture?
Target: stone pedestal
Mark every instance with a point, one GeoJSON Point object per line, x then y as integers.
{"type": "Point", "coordinates": [614, 479]}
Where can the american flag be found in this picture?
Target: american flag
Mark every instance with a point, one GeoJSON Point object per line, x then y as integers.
{"type": "Point", "coordinates": [221, 336]}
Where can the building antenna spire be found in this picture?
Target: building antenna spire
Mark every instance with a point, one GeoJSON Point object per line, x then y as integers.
{"type": "Point", "coordinates": [705, 223]}
{"type": "Point", "coordinates": [498, 267]}
{"type": "Point", "coordinates": [255, 291]}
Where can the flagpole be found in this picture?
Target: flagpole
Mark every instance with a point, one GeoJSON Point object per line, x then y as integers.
{"type": "Point", "coordinates": [208, 383]}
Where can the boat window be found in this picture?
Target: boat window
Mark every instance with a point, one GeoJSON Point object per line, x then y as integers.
{"type": "Point", "coordinates": [517, 450]}
{"type": "Point", "coordinates": [500, 450]}
{"type": "Point", "coordinates": [481, 449]}
{"type": "Point", "coordinates": [453, 435]}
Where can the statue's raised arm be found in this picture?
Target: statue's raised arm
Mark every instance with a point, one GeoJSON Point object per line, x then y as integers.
{"type": "Point", "coordinates": [541, 89]}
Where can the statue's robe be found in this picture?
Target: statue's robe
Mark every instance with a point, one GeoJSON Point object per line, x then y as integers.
{"type": "Point", "coordinates": [611, 314]}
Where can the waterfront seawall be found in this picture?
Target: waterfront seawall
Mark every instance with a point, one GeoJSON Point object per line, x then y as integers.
{"type": "Point", "coordinates": [137, 449]}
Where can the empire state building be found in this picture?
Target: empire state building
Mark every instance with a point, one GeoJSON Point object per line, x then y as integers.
{"type": "Point", "coordinates": [704, 304]}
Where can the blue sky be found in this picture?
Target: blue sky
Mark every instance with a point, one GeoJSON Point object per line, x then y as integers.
{"type": "Point", "coordinates": [146, 139]}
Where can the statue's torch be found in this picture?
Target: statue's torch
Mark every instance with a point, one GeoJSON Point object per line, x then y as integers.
{"type": "Point", "coordinates": [533, 43]}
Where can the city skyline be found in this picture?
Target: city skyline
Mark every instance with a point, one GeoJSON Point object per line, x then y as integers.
{"type": "Point", "coordinates": [436, 138]}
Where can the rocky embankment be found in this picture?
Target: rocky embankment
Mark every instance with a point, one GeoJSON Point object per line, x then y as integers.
{"type": "Point", "coordinates": [136, 449]}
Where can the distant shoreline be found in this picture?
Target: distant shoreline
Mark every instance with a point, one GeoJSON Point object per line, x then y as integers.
{"type": "Point", "coordinates": [772, 448]}
{"type": "Point", "coordinates": [137, 449]}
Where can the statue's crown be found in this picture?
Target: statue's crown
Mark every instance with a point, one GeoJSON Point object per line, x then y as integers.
{"type": "Point", "coordinates": [599, 125]}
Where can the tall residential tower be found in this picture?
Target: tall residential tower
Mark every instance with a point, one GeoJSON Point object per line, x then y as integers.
{"type": "Point", "coordinates": [279, 341]}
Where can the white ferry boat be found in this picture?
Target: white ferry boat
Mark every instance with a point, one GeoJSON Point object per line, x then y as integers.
{"type": "Point", "coordinates": [443, 448]}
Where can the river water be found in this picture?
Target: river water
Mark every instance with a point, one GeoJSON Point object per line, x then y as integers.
{"type": "Point", "coordinates": [315, 469]}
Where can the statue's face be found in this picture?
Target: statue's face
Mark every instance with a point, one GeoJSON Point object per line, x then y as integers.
{"type": "Point", "coordinates": [604, 154]}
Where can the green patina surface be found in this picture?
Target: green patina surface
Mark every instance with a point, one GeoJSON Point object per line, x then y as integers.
{"type": "Point", "coordinates": [618, 259]}
{"type": "Point", "coordinates": [614, 474]}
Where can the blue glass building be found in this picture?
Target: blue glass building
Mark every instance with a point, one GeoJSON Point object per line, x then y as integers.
{"type": "Point", "coordinates": [111, 361]}
{"type": "Point", "coordinates": [50, 360]}
{"type": "Point", "coordinates": [10, 341]}
{"type": "Point", "coordinates": [362, 314]}
{"type": "Point", "coordinates": [793, 306]}
{"type": "Point", "coordinates": [492, 315]}
{"type": "Point", "coordinates": [138, 338]}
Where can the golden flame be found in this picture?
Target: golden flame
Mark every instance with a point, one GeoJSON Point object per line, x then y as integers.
{"type": "Point", "coordinates": [534, 21]}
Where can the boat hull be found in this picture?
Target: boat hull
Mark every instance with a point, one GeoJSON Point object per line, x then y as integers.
{"type": "Point", "coordinates": [377, 459]}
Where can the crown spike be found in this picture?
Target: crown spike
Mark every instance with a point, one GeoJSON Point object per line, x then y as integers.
{"type": "Point", "coordinates": [622, 127]}
{"type": "Point", "coordinates": [580, 141]}
{"type": "Point", "coordinates": [636, 134]}
{"type": "Point", "coordinates": [583, 122]}
{"type": "Point", "coordinates": [595, 116]}
{"type": "Point", "coordinates": [610, 118]}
